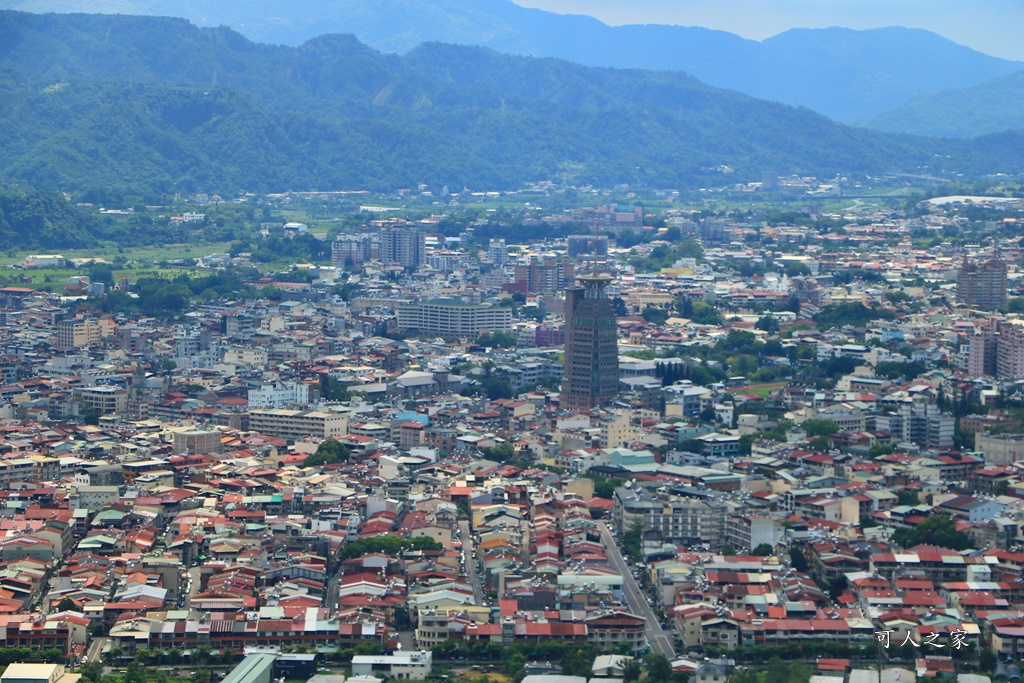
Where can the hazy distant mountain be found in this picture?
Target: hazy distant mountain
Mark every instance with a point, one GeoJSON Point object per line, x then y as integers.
{"type": "Point", "coordinates": [845, 74]}
{"type": "Point", "coordinates": [990, 107]}
{"type": "Point", "coordinates": [155, 104]}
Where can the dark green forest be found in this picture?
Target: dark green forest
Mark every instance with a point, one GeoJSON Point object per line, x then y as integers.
{"type": "Point", "coordinates": [155, 105]}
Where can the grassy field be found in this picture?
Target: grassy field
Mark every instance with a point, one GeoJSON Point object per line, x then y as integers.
{"type": "Point", "coordinates": [54, 279]}
{"type": "Point", "coordinates": [139, 262]}
{"type": "Point", "coordinates": [762, 390]}
{"type": "Point", "coordinates": [142, 255]}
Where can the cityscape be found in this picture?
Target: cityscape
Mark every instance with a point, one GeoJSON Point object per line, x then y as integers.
{"type": "Point", "coordinates": [465, 341]}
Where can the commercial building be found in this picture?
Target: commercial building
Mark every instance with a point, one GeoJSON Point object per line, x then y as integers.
{"type": "Point", "coordinates": [1000, 449]}
{"type": "Point", "coordinates": [450, 318]}
{"type": "Point", "coordinates": [38, 673]}
{"type": "Point", "coordinates": [255, 668]}
{"type": "Point", "coordinates": [79, 333]}
{"type": "Point", "coordinates": [278, 394]}
{"type": "Point", "coordinates": [297, 424]}
{"type": "Point", "coordinates": [197, 441]}
{"type": "Point", "coordinates": [104, 400]}
{"type": "Point", "coordinates": [414, 666]}
{"type": "Point", "coordinates": [982, 285]}
{"type": "Point", "coordinates": [591, 374]}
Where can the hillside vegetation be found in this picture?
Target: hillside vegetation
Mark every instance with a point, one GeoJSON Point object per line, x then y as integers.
{"type": "Point", "coordinates": [845, 74]}
{"type": "Point", "coordinates": [157, 105]}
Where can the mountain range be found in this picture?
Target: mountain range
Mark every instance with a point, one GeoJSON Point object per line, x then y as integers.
{"type": "Point", "coordinates": [152, 104]}
{"type": "Point", "coordinates": [850, 76]}
{"type": "Point", "coordinates": [990, 107]}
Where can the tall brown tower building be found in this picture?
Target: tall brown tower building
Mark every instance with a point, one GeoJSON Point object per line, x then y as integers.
{"type": "Point", "coordinates": [591, 374]}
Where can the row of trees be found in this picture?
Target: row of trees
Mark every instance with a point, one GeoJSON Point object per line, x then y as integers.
{"type": "Point", "coordinates": [388, 545]}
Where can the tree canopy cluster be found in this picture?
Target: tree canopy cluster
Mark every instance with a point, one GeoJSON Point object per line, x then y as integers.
{"type": "Point", "coordinates": [162, 297]}
{"type": "Point", "coordinates": [388, 545]}
{"type": "Point", "coordinates": [937, 530]}
{"type": "Point", "coordinates": [329, 452]}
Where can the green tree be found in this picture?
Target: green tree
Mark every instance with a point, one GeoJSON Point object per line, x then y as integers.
{"type": "Point", "coordinates": [91, 671]}
{"type": "Point", "coordinates": [820, 443]}
{"type": "Point", "coordinates": [880, 449]}
{"type": "Point", "coordinates": [763, 550]}
{"type": "Point", "coordinates": [655, 315]}
{"type": "Point", "coordinates": [987, 660]}
{"type": "Point", "coordinates": [101, 272]}
{"type": "Point", "coordinates": [388, 545]}
{"type": "Point", "coordinates": [497, 339]}
{"type": "Point", "coordinates": [705, 314]}
{"type": "Point", "coordinates": [767, 323]}
{"type": "Point", "coordinates": [659, 669]}
{"type": "Point", "coordinates": [134, 673]}
{"type": "Point", "coordinates": [905, 497]}
{"type": "Point", "coordinates": [937, 530]}
{"type": "Point", "coordinates": [502, 452]}
{"type": "Point", "coordinates": [837, 586]}
{"type": "Point", "coordinates": [67, 605]}
{"type": "Point", "coordinates": [777, 671]}
{"type": "Point", "coordinates": [632, 540]}
{"type": "Point", "coordinates": [201, 655]}
{"type": "Point", "coordinates": [819, 427]}
{"type": "Point", "coordinates": [329, 452]}
{"type": "Point", "coordinates": [515, 665]}
{"type": "Point", "coordinates": [332, 390]}
{"type": "Point", "coordinates": [797, 559]}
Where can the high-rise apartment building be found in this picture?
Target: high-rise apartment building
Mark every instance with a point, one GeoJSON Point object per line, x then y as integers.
{"type": "Point", "coordinates": [982, 285]}
{"type": "Point", "coordinates": [352, 251]}
{"type": "Point", "coordinates": [580, 245]}
{"type": "Point", "coordinates": [545, 275]}
{"type": "Point", "coordinates": [1010, 350]}
{"type": "Point", "coordinates": [997, 350]}
{"type": "Point", "coordinates": [78, 333]}
{"type": "Point", "coordinates": [497, 252]}
{"type": "Point", "coordinates": [405, 245]}
{"type": "Point", "coordinates": [981, 352]}
{"type": "Point", "coordinates": [591, 375]}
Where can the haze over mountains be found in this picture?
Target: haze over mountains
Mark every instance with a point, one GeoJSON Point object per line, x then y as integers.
{"type": "Point", "coordinates": [990, 107]}
{"type": "Point", "coordinates": [155, 104]}
{"type": "Point", "coordinates": [850, 76]}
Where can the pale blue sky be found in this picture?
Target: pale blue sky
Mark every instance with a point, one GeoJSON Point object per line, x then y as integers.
{"type": "Point", "coordinates": [995, 27]}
